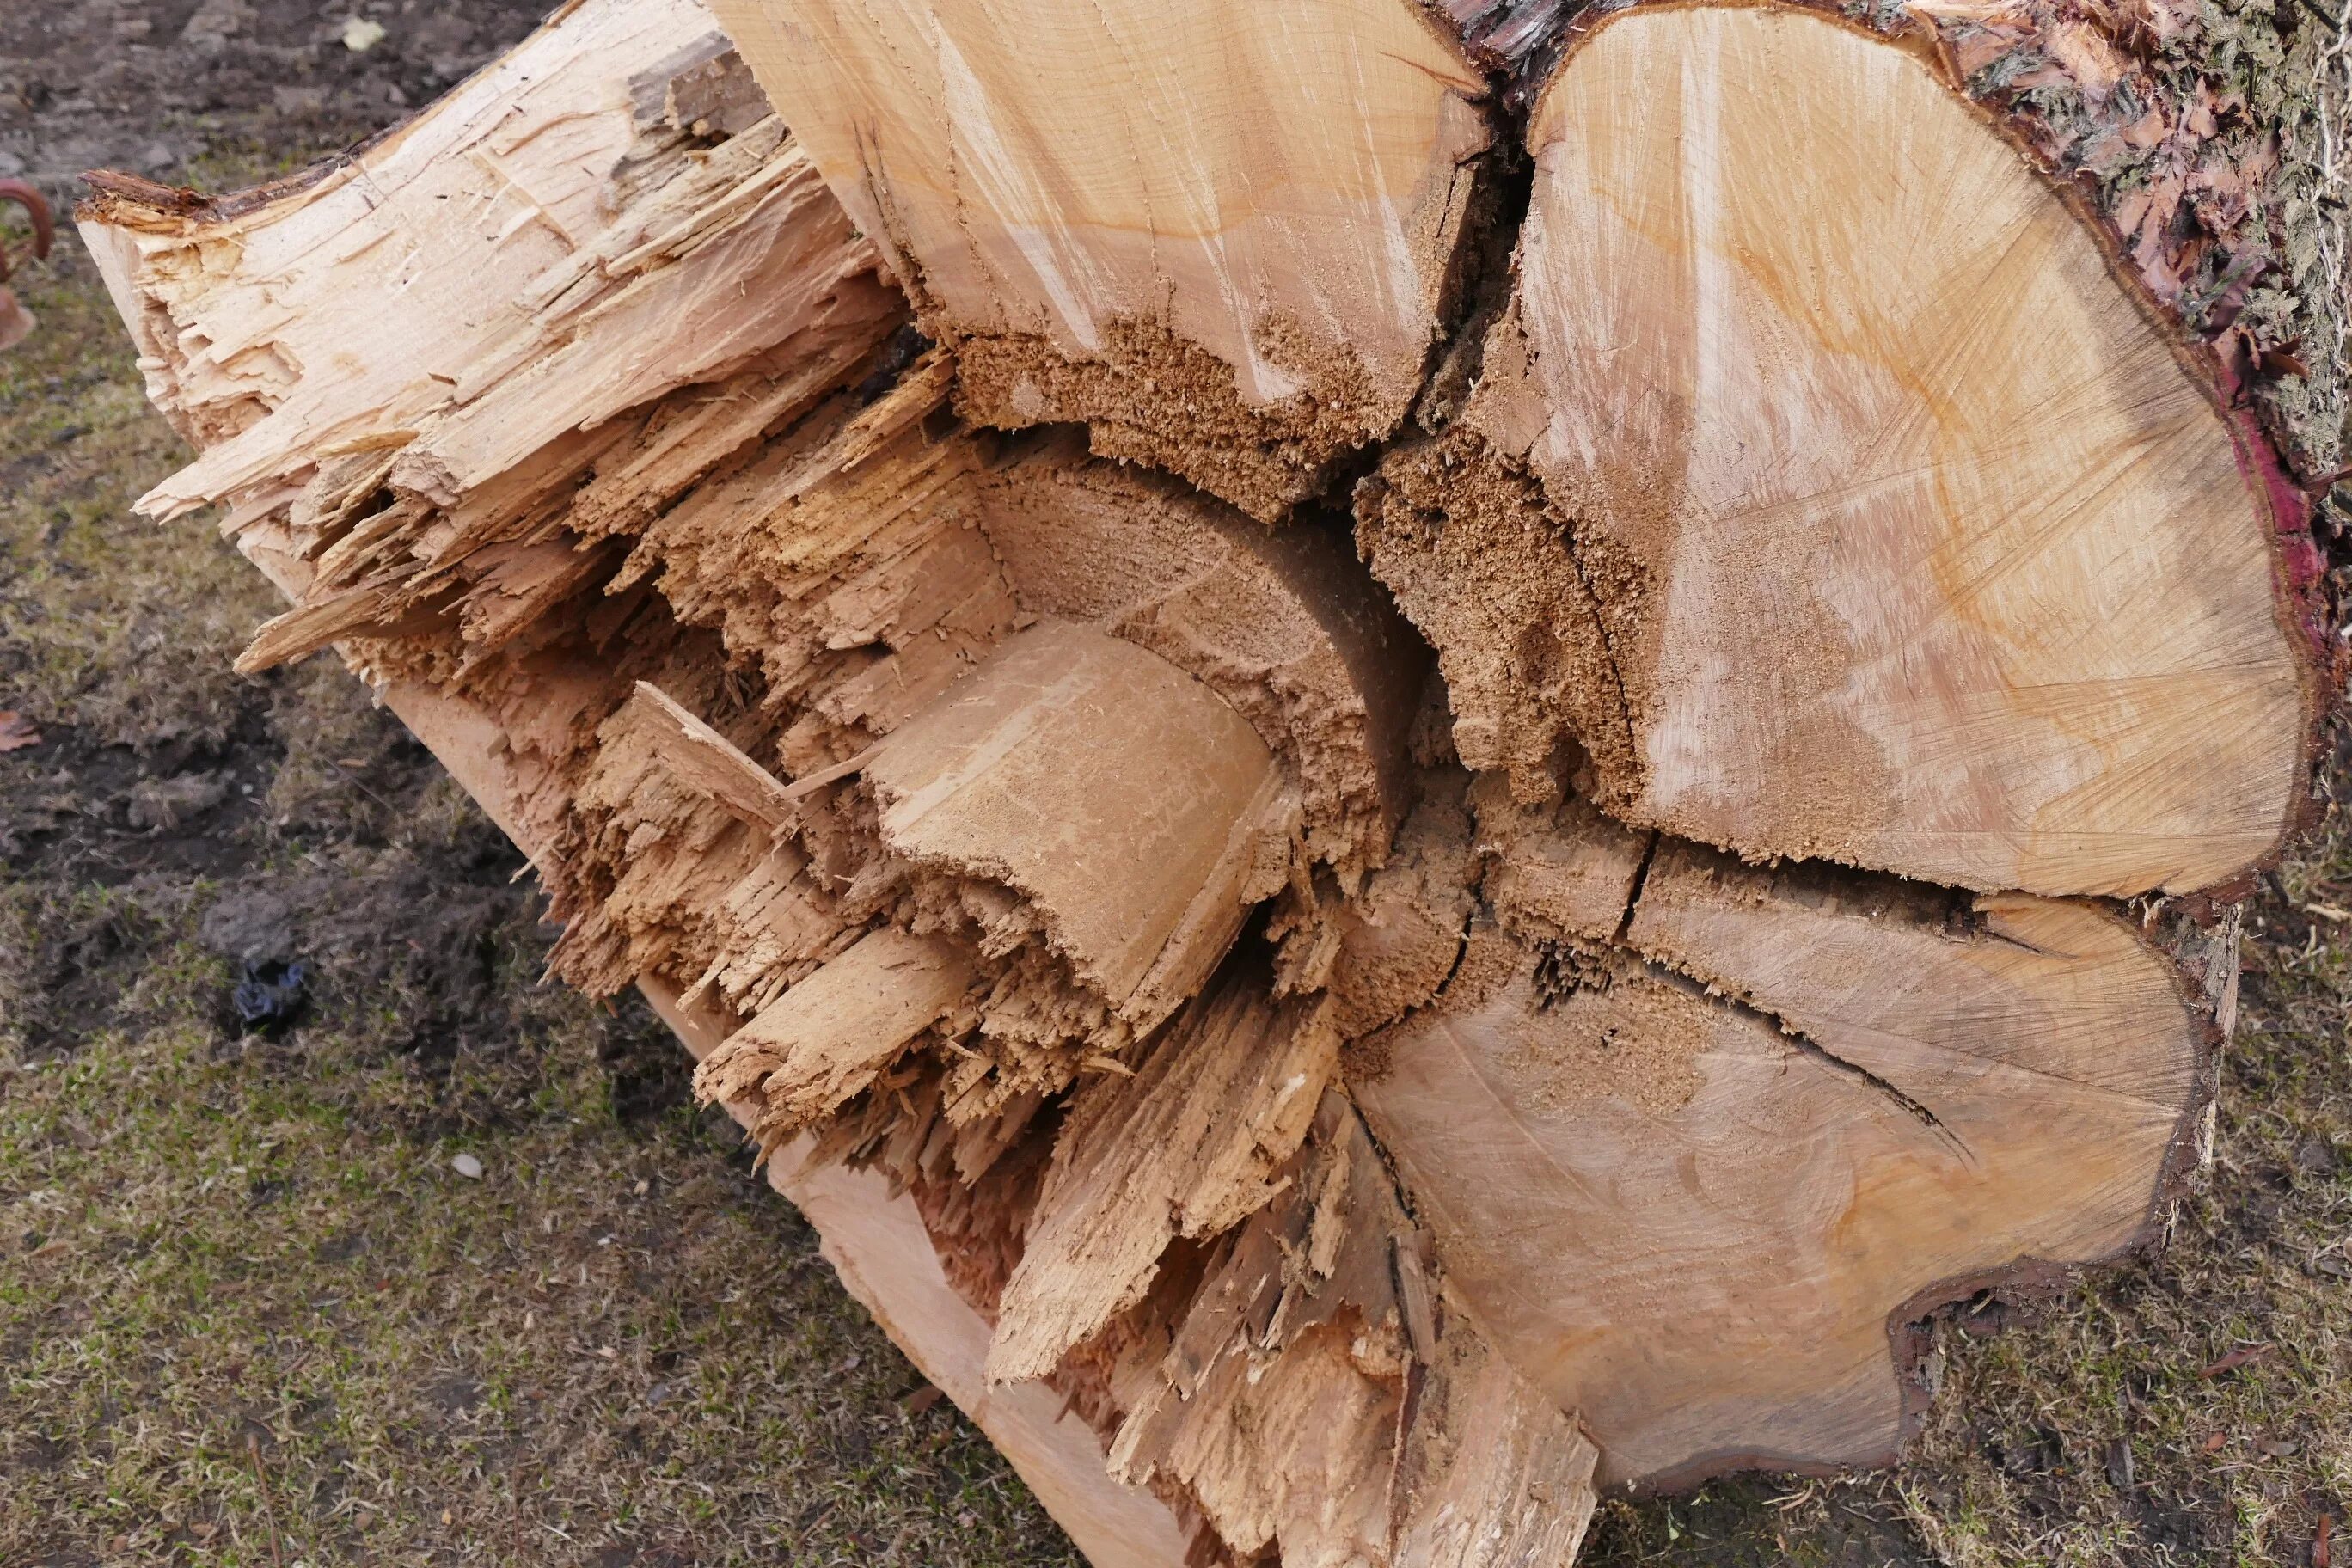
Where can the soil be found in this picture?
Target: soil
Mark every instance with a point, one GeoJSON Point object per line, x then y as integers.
{"type": "Point", "coordinates": [175, 89]}
{"type": "Point", "coordinates": [211, 92]}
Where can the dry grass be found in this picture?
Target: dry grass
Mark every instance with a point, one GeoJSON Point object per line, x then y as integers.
{"type": "Point", "coordinates": [245, 1296]}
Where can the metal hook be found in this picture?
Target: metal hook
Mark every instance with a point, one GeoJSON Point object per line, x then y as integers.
{"type": "Point", "coordinates": [43, 231]}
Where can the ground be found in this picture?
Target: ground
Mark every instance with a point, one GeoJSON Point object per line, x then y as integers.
{"type": "Point", "coordinates": [253, 1311]}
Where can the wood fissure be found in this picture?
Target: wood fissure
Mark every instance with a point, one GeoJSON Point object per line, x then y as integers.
{"type": "Point", "coordinates": [1614, 1065]}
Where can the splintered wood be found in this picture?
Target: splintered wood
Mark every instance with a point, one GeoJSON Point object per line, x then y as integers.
{"type": "Point", "coordinates": [1187, 1146]}
{"type": "Point", "coordinates": [1407, 858]}
{"type": "Point", "coordinates": [1138, 872]}
{"type": "Point", "coordinates": [824, 1040]}
{"type": "Point", "coordinates": [1222, 235]}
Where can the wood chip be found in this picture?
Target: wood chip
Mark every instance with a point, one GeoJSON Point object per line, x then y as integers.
{"type": "Point", "coordinates": [2234, 1360]}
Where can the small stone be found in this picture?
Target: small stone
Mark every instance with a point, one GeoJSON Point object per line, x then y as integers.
{"type": "Point", "coordinates": [467, 1166]}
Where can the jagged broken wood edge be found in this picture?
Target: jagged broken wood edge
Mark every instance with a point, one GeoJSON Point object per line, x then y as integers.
{"type": "Point", "coordinates": [874, 1237]}
{"type": "Point", "coordinates": [469, 739]}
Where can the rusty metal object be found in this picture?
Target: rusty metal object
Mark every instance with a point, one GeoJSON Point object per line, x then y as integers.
{"type": "Point", "coordinates": [15, 322]}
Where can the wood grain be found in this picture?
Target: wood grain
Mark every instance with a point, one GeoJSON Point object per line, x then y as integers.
{"type": "Point", "coordinates": [1223, 233]}
{"type": "Point", "coordinates": [1885, 523]}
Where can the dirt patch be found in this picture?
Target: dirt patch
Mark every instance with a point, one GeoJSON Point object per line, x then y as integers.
{"type": "Point", "coordinates": [178, 89]}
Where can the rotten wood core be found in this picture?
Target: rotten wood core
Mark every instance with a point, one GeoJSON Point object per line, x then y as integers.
{"type": "Point", "coordinates": [1443, 854]}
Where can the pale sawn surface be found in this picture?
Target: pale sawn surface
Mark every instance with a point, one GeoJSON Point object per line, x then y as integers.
{"type": "Point", "coordinates": [1693, 1197]}
{"type": "Point", "coordinates": [1926, 553]}
{"type": "Point", "coordinates": [1278, 191]}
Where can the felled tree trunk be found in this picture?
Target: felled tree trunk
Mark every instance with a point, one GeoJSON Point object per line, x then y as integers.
{"type": "Point", "coordinates": [1426, 758]}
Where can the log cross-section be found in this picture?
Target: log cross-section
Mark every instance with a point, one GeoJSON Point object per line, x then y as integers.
{"type": "Point", "coordinates": [1222, 235]}
{"type": "Point", "coordinates": [1695, 1178]}
{"type": "Point", "coordinates": [1876, 516]}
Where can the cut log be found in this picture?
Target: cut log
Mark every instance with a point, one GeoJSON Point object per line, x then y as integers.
{"type": "Point", "coordinates": [1860, 549]}
{"type": "Point", "coordinates": [1828, 490]}
{"type": "Point", "coordinates": [1696, 1163]}
{"type": "Point", "coordinates": [1224, 236]}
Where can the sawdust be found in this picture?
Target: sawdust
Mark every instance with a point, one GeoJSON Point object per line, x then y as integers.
{"type": "Point", "coordinates": [1156, 399]}
{"type": "Point", "coordinates": [1607, 1028]}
